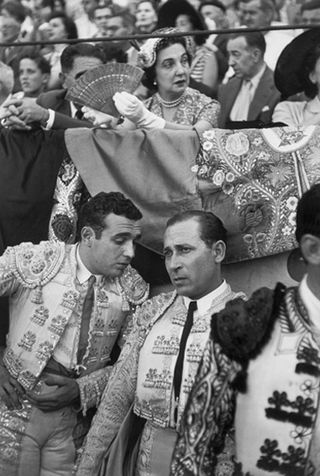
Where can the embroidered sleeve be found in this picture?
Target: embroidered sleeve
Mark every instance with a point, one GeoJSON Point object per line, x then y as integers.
{"type": "Point", "coordinates": [115, 403]}
{"type": "Point", "coordinates": [8, 282]}
{"type": "Point", "coordinates": [208, 415]}
{"type": "Point", "coordinates": [92, 386]}
{"type": "Point", "coordinates": [126, 328]}
{"type": "Point", "coordinates": [35, 265]}
{"type": "Point", "coordinates": [134, 288]}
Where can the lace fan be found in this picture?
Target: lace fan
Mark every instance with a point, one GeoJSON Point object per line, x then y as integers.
{"type": "Point", "coordinates": [96, 87]}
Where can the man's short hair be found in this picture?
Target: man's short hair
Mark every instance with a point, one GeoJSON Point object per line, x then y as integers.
{"type": "Point", "coordinates": [6, 79]}
{"type": "Point", "coordinates": [211, 227]}
{"type": "Point", "coordinates": [312, 5]}
{"type": "Point", "coordinates": [308, 213]}
{"type": "Point", "coordinates": [254, 39]}
{"type": "Point", "coordinates": [213, 3]}
{"type": "Point", "coordinates": [42, 63]}
{"type": "Point", "coordinates": [265, 5]}
{"type": "Point", "coordinates": [81, 49]}
{"type": "Point", "coordinates": [15, 10]}
{"type": "Point", "coordinates": [128, 20]}
{"type": "Point", "coordinates": [94, 211]}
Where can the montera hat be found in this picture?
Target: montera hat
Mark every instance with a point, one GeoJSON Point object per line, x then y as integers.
{"type": "Point", "coordinates": [288, 74]}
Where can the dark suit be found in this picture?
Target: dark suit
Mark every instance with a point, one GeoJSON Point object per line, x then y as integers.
{"type": "Point", "coordinates": [265, 99]}
{"type": "Point", "coordinates": [56, 101]}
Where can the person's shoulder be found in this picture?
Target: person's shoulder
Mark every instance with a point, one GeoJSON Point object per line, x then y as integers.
{"type": "Point", "coordinates": [135, 288]}
{"type": "Point", "coordinates": [35, 265]}
{"type": "Point", "coordinates": [233, 82]}
{"type": "Point", "coordinates": [243, 327]}
{"type": "Point", "coordinates": [152, 308]}
{"type": "Point", "coordinates": [50, 98]}
{"type": "Point", "coordinates": [198, 97]}
{"type": "Point", "coordinates": [291, 106]}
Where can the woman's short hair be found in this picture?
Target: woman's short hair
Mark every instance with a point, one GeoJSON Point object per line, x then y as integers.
{"type": "Point", "coordinates": [308, 66]}
{"type": "Point", "coordinates": [42, 63]}
{"type": "Point", "coordinates": [150, 73]}
{"type": "Point", "coordinates": [69, 24]}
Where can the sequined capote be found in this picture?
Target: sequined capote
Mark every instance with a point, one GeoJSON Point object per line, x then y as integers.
{"type": "Point", "coordinates": [193, 107]}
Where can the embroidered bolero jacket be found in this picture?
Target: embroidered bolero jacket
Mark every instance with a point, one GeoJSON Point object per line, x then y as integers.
{"type": "Point", "coordinates": [41, 282]}
{"type": "Point", "coordinates": [143, 374]}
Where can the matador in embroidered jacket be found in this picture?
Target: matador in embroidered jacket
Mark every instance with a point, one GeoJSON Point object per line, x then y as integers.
{"type": "Point", "coordinates": [268, 349]}
{"type": "Point", "coordinates": [48, 285]}
{"type": "Point", "coordinates": [146, 377]}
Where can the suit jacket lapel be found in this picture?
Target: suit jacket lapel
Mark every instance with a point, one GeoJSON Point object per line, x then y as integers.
{"type": "Point", "coordinates": [261, 96]}
{"type": "Point", "coordinates": [228, 98]}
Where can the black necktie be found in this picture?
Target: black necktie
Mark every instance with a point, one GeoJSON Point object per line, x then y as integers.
{"type": "Point", "coordinates": [85, 319]}
{"type": "Point", "coordinates": [177, 377]}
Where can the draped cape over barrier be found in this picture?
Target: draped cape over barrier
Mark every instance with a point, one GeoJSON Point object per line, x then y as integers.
{"type": "Point", "coordinates": [153, 168]}
{"type": "Point", "coordinates": [252, 179]}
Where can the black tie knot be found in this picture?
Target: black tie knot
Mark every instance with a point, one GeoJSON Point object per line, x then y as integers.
{"type": "Point", "coordinates": [193, 306]}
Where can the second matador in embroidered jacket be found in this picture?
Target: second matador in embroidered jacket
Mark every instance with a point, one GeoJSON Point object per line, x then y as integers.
{"type": "Point", "coordinates": [45, 312]}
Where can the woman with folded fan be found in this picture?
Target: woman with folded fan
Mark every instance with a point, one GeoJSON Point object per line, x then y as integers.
{"type": "Point", "coordinates": [173, 105]}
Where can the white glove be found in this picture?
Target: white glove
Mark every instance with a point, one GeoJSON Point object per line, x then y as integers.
{"type": "Point", "coordinates": [99, 118]}
{"type": "Point", "coordinates": [132, 108]}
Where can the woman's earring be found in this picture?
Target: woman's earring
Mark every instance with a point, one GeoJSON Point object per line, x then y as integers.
{"type": "Point", "coordinates": [154, 82]}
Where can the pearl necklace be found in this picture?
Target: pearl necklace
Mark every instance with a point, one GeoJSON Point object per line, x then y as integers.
{"type": "Point", "coordinates": [170, 104]}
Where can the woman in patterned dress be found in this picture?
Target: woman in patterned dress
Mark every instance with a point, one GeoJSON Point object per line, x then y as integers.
{"type": "Point", "coordinates": [173, 105]}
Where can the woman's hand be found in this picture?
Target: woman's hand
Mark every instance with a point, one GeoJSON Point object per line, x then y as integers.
{"type": "Point", "coordinates": [133, 109]}
{"type": "Point", "coordinates": [99, 118]}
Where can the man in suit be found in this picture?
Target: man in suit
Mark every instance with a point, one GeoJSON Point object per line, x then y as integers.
{"type": "Point", "coordinates": [248, 99]}
{"type": "Point", "coordinates": [51, 109]}
{"type": "Point", "coordinates": [262, 13]}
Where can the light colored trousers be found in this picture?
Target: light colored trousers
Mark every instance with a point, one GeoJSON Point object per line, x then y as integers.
{"type": "Point", "coordinates": [37, 443]}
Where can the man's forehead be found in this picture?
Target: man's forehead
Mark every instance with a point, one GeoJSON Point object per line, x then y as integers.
{"type": "Point", "coordinates": [121, 224]}
{"type": "Point", "coordinates": [84, 63]}
{"type": "Point", "coordinates": [252, 6]}
{"type": "Point", "coordinates": [182, 232]}
{"type": "Point", "coordinates": [102, 12]}
{"type": "Point", "coordinates": [238, 44]}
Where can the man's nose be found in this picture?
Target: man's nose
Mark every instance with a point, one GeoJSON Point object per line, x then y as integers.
{"type": "Point", "coordinates": [129, 249]}
{"type": "Point", "coordinates": [173, 263]}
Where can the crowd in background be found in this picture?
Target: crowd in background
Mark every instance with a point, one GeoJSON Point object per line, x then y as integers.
{"type": "Point", "coordinates": [37, 68]}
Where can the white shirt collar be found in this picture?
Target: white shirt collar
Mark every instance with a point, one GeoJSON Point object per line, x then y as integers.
{"type": "Point", "coordinates": [311, 302]}
{"type": "Point", "coordinates": [73, 109]}
{"type": "Point", "coordinates": [204, 303]}
{"type": "Point", "coordinates": [313, 105]}
{"type": "Point", "coordinates": [83, 274]}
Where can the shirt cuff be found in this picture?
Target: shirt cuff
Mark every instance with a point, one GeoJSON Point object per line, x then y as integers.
{"type": "Point", "coordinates": [48, 125]}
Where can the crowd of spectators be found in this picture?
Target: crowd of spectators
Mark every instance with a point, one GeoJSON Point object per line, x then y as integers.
{"type": "Point", "coordinates": [61, 20]}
